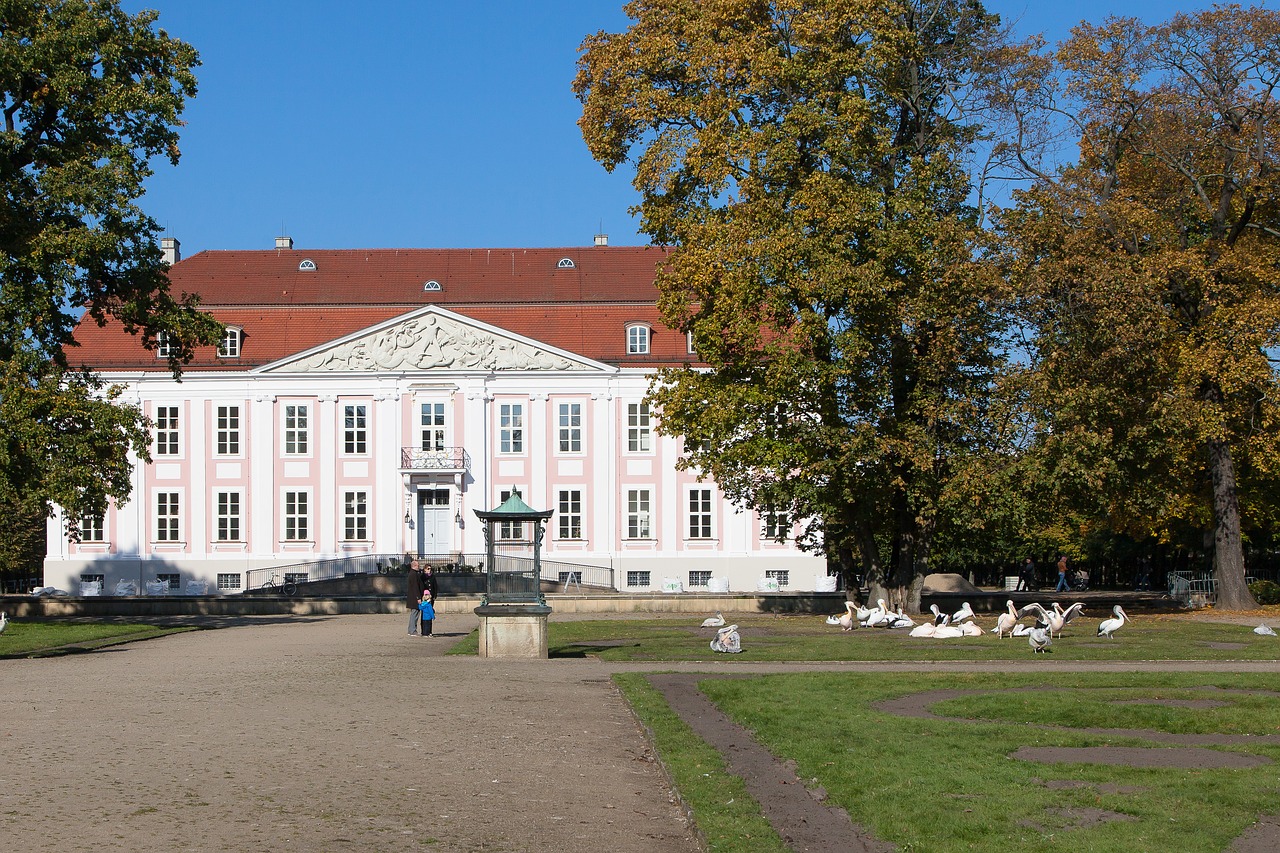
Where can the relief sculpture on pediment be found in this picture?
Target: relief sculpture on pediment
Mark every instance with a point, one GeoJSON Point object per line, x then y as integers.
{"type": "Point", "coordinates": [430, 342]}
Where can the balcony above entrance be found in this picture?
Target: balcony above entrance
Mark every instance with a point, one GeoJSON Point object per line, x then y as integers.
{"type": "Point", "coordinates": [451, 459]}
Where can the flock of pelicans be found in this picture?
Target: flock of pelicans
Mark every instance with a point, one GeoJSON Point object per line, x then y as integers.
{"type": "Point", "coordinates": [1040, 631]}
{"type": "Point", "coordinates": [1044, 625]}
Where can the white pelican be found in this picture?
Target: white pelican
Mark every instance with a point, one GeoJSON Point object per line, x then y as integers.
{"type": "Point", "coordinates": [971, 629]}
{"type": "Point", "coordinates": [727, 640]}
{"type": "Point", "coordinates": [4, 622]}
{"type": "Point", "coordinates": [847, 620]}
{"type": "Point", "coordinates": [1021, 630]}
{"type": "Point", "coordinates": [1264, 629]}
{"type": "Point", "coordinates": [1110, 626]}
{"type": "Point", "coordinates": [1065, 616]}
{"type": "Point", "coordinates": [864, 613]}
{"type": "Point", "coordinates": [1040, 638]}
{"type": "Point", "coordinates": [939, 618]}
{"type": "Point", "coordinates": [900, 620]}
{"type": "Point", "coordinates": [965, 612]}
{"type": "Point", "coordinates": [713, 621]}
{"type": "Point", "coordinates": [947, 632]}
{"type": "Point", "coordinates": [925, 629]}
{"type": "Point", "coordinates": [1005, 624]}
{"type": "Point", "coordinates": [833, 619]}
{"type": "Point", "coordinates": [879, 617]}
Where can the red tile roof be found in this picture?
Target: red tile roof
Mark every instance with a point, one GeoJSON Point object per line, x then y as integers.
{"type": "Point", "coordinates": [583, 308]}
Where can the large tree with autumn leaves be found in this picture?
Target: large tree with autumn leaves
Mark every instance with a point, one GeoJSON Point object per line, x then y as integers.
{"type": "Point", "coordinates": [1150, 269]}
{"type": "Point", "coordinates": [809, 164]}
{"type": "Point", "coordinates": [89, 96]}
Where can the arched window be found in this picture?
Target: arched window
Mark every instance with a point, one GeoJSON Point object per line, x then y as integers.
{"type": "Point", "coordinates": [566, 264]}
{"type": "Point", "coordinates": [307, 265]}
{"type": "Point", "coordinates": [637, 339]}
{"type": "Point", "coordinates": [230, 345]}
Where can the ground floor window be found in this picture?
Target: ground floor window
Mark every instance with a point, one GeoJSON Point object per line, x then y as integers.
{"type": "Point", "coordinates": [637, 578]}
{"type": "Point", "coordinates": [228, 580]}
{"type": "Point", "coordinates": [570, 515]}
{"type": "Point", "coordinates": [782, 576]}
{"type": "Point", "coordinates": [699, 577]}
{"type": "Point", "coordinates": [173, 579]}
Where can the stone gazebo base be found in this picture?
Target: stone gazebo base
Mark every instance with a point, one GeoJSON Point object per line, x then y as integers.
{"type": "Point", "coordinates": [513, 630]}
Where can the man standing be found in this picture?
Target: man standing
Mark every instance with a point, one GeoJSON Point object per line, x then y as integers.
{"type": "Point", "coordinates": [414, 584]}
{"type": "Point", "coordinates": [1027, 577]}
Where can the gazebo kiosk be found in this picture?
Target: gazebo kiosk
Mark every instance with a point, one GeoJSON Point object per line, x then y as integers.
{"type": "Point", "coordinates": [513, 615]}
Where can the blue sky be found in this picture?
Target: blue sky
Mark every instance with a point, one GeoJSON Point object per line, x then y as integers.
{"type": "Point", "coordinates": [412, 123]}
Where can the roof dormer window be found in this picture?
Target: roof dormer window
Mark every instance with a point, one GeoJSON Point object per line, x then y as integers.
{"type": "Point", "coordinates": [164, 346]}
{"type": "Point", "coordinates": [637, 339]}
{"type": "Point", "coordinates": [432, 286]}
{"type": "Point", "coordinates": [229, 347]}
{"type": "Point", "coordinates": [566, 264]}
{"type": "Point", "coordinates": [307, 265]}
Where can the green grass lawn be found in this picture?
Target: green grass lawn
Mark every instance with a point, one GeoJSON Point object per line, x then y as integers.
{"type": "Point", "coordinates": [951, 784]}
{"type": "Point", "coordinates": [29, 639]}
{"type": "Point", "coordinates": [809, 638]}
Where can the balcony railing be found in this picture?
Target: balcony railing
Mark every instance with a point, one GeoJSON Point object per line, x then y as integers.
{"type": "Point", "coordinates": [445, 459]}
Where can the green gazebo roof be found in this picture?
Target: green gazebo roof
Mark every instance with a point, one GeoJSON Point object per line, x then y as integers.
{"type": "Point", "coordinates": [513, 509]}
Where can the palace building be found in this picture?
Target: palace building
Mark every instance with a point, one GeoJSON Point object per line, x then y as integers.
{"type": "Point", "coordinates": [365, 402]}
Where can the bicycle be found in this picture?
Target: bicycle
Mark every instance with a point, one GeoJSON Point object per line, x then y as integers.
{"type": "Point", "coordinates": [287, 586]}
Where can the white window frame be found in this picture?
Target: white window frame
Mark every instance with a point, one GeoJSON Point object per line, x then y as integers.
{"type": "Point", "coordinates": [433, 425]}
{"type": "Point", "coordinates": [569, 514]}
{"type": "Point", "coordinates": [228, 515]}
{"type": "Point", "coordinates": [168, 519]}
{"type": "Point", "coordinates": [511, 429]}
{"type": "Point", "coordinates": [701, 514]}
{"type": "Point", "coordinates": [638, 338]}
{"type": "Point", "coordinates": [93, 528]}
{"type": "Point", "coordinates": [295, 515]}
{"type": "Point", "coordinates": [355, 515]}
{"type": "Point", "coordinates": [782, 576]}
{"type": "Point", "coordinates": [168, 434]}
{"type": "Point", "coordinates": [355, 429]}
{"type": "Point", "coordinates": [699, 578]}
{"type": "Point", "coordinates": [164, 344]}
{"type": "Point", "coordinates": [295, 426]}
{"type": "Point", "coordinates": [569, 428]}
{"type": "Point", "coordinates": [229, 346]}
{"type": "Point", "coordinates": [226, 430]}
{"type": "Point", "coordinates": [639, 508]}
{"type": "Point", "coordinates": [230, 581]}
{"type": "Point", "coordinates": [688, 342]}
{"type": "Point", "coordinates": [775, 525]}
{"type": "Point", "coordinates": [639, 578]}
{"type": "Point", "coordinates": [639, 428]}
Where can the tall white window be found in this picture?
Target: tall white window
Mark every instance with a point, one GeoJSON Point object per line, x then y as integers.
{"type": "Point", "coordinates": [296, 516]}
{"type": "Point", "coordinates": [638, 427]}
{"type": "Point", "coordinates": [355, 516]}
{"type": "Point", "coordinates": [227, 430]}
{"type": "Point", "coordinates": [91, 528]}
{"type": "Point", "coordinates": [229, 346]}
{"type": "Point", "coordinates": [637, 340]}
{"type": "Point", "coordinates": [227, 507]}
{"type": "Point", "coordinates": [777, 525]}
{"type": "Point", "coordinates": [164, 345]}
{"type": "Point", "coordinates": [570, 427]}
{"type": "Point", "coordinates": [296, 429]}
{"type": "Point", "coordinates": [433, 431]}
{"type": "Point", "coordinates": [168, 519]}
{"type": "Point", "coordinates": [355, 429]}
{"type": "Point", "coordinates": [570, 514]}
{"type": "Point", "coordinates": [511, 427]}
{"type": "Point", "coordinates": [638, 514]}
{"type": "Point", "coordinates": [699, 513]}
{"type": "Point", "coordinates": [167, 434]}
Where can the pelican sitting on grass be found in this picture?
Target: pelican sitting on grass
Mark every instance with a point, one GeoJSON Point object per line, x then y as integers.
{"type": "Point", "coordinates": [713, 621]}
{"type": "Point", "coordinates": [1108, 627]}
{"type": "Point", "coordinates": [924, 630]}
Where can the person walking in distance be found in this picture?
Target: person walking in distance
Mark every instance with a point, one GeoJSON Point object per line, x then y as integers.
{"type": "Point", "coordinates": [1064, 585]}
{"type": "Point", "coordinates": [415, 584]}
{"type": "Point", "coordinates": [1026, 577]}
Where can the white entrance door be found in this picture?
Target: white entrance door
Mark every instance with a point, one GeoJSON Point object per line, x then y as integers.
{"type": "Point", "coordinates": [434, 522]}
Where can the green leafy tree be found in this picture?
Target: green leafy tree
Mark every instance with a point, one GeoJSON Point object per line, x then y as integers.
{"type": "Point", "coordinates": [89, 96]}
{"type": "Point", "coordinates": [808, 162]}
{"type": "Point", "coordinates": [1149, 268]}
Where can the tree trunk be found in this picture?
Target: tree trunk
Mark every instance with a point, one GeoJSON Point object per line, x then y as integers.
{"type": "Point", "coordinates": [1228, 550]}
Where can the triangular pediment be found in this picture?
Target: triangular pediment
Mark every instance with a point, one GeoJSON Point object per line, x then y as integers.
{"type": "Point", "coordinates": [432, 338]}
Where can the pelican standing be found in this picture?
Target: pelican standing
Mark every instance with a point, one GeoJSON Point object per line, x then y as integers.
{"type": "Point", "coordinates": [1108, 627]}
{"type": "Point", "coordinates": [1007, 620]}
{"type": "Point", "coordinates": [965, 612]}
{"type": "Point", "coordinates": [713, 621]}
{"type": "Point", "coordinates": [879, 617]}
{"type": "Point", "coordinates": [1067, 615]}
{"type": "Point", "coordinates": [4, 622]}
{"type": "Point", "coordinates": [847, 621]}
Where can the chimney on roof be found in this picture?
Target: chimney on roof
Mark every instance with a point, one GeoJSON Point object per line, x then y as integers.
{"type": "Point", "coordinates": [284, 242]}
{"type": "Point", "coordinates": [602, 239]}
{"type": "Point", "coordinates": [171, 250]}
